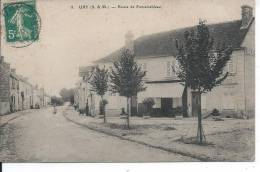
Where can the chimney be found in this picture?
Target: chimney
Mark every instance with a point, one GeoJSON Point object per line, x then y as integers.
{"type": "Point", "coordinates": [1, 59]}
{"type": "Point", "coordinates": [247, 15]}
{"type": "Point", "coordinates": [129, 41]}
{"type": "Point", "coordinates": [13, 70]}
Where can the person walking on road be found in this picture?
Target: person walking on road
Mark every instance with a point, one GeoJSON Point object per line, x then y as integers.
{"type": "Point", "coordinates": [54, 109]}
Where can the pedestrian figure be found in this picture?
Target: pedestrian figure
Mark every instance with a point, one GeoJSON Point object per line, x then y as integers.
{"type": "Point", "coordinates": [54, 109]}
{"type": "Point", "coordinates": [87, 109]}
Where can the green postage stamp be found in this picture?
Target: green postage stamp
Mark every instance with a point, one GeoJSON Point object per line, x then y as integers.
{"type": "Point", "coordinates": [22, 23]}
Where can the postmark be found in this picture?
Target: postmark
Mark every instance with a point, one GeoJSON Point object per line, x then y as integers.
{"type": "Point", "coordinates": [22, 23]}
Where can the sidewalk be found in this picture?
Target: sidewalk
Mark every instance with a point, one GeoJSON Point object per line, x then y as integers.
{"type": "Point", "coordinates": [7, 144]}
{"type": "Point", "coordinates": [5, 118]}
{"type": "Point", "coordinates": [230, 140]}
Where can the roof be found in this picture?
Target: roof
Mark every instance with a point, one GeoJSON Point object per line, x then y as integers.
{"type": "Point", "coordinates": [14, 76]}
{"type": "Point", "coordinates": [85, 70]}
{"type": "Point", "coordinates": [20, 78]}
{"type": "Point", "coordinates": [163, 44]}
{"type": "Point", "coordinates": [24, 80]}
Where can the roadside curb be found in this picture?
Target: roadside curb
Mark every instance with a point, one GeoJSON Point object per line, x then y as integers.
{"type": "Point", "coordinates": [11, 119]}
{"type": "Point", "coordinates": [201, 158]}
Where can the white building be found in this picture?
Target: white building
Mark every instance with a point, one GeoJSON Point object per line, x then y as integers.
{"type": "Point", "coordinates": [84, 98]}
{"type": "Point", "coordinates": [156, 53]}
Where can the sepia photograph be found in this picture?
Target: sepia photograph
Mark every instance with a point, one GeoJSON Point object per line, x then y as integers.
{"type": "Point", "coordinates": [127, 81]}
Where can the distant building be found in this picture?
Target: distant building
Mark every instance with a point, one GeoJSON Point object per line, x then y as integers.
{"type": "Point", "coordinates": [47, 100]}
{"type": "Point", "coordinates": [25, 94]}
{"type": "Point", "coordinates": [84, 98]}
{"type": "Point", "coordinates": [17, 93]}
{"type": "Point", "coordinates": [38, 97]}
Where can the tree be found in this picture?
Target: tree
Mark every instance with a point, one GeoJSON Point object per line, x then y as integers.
{"type": "Point", "coordinates": [67, 95]}
{"type": "Point", "coordinates": [99, 84]}
{"type": "Point", "coordinates": [127, 79]}
{"type": "Point", "coordinates": [102, 106]}
{"type": "Point", "coordinates": [56, 101]}
{"type": "Point", "coordinates": [201, 64]}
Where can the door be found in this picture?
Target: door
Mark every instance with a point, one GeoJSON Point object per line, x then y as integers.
{"type": "Point", "coordinates": [12, 105]}
{"type": "Point", "coordinates": [166, 106]}
{"type": "Point", "coordinates": [22, 95]}
{"type": "Point", "coordinates": [134, 105]}
{"type": "Point", "coordinates": [196, 103]}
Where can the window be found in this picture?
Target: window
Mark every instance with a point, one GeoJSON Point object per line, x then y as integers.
{"type": "Point", "coordinates": [174, 69]}
{"type": "Point", "coordinates": [13, 83]}
{"type": "Point", "coordinates": [140, 65]}
{"type": "Point", "coordinates": [231, 67]}
{"type": "Point", "coordinates": [171, 69]}
{"type": "Point", "coordinates": [249, 51]}
{"type": "Point", "coordinates": [168, 69]}
{"type": "Point", "coordinates": [143, 66]}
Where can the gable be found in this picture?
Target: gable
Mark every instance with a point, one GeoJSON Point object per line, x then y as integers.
{"type": "Point", "coordinates": [249, 40]}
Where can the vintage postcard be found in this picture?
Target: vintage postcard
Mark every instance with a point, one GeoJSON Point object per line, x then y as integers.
{"type": "Point", "coordinates": [127, 80]}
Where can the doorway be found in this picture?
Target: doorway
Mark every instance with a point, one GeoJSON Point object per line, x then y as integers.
{"type": "Point", "coordinates": [196, 103]}
{"type": "Point", "coordinates": [166, 106]}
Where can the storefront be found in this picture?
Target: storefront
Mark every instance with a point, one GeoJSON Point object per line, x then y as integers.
{"type": "Point", "coordinates": [167, 98]}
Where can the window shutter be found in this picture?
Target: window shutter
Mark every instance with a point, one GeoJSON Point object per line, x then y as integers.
{"type": "Point", "coordinates": [173, 68]}
{"type": "Point", "coordinates": [234, 64]}
{"type": "Point", "coordinates": [168, 68]}
{"type": "Point", "coordinates": [145, 67]}
{"type": "Point", "coordinates": [231, 66]}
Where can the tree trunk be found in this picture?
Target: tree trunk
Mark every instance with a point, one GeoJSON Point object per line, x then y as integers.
{"type": "Point", "coordinates": [184, 102]}
{"type": "Point", "coordinates": [130, 106]}
{"type": "Point", "coordinates": [200, 135]}
{"type": "Point", "coordinates": [103, 109]}
{"type": "Point", "coordinates": [127, 109]}
{"type": "Point", "coordinates": [128, 112]}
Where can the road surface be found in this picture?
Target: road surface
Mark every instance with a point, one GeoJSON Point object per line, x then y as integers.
{"type": "Point", "coordinates": [41, 136]}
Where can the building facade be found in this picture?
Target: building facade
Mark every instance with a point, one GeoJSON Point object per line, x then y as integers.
{"type": "Point", "coordinates": [47, 100]}
{"type": "Point", "coordinates": [4, 86]}
{"type": "Point", "coordinates": [17, 93]}
{"type": "Point", "coordinates": [156, 54]}
{"type": "Point", "coordinates": [25, 94]}
{"type": "Point", "coordinates": [85, 100]}
{"type": "Point", "coordinates": [39, 97]}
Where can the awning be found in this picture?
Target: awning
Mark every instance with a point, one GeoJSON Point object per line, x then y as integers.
{"type": "Point", "coordinates": [162, 90]}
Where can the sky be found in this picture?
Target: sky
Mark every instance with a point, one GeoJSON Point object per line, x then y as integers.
{"type": "Point", "coordinates": [70, 38]}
